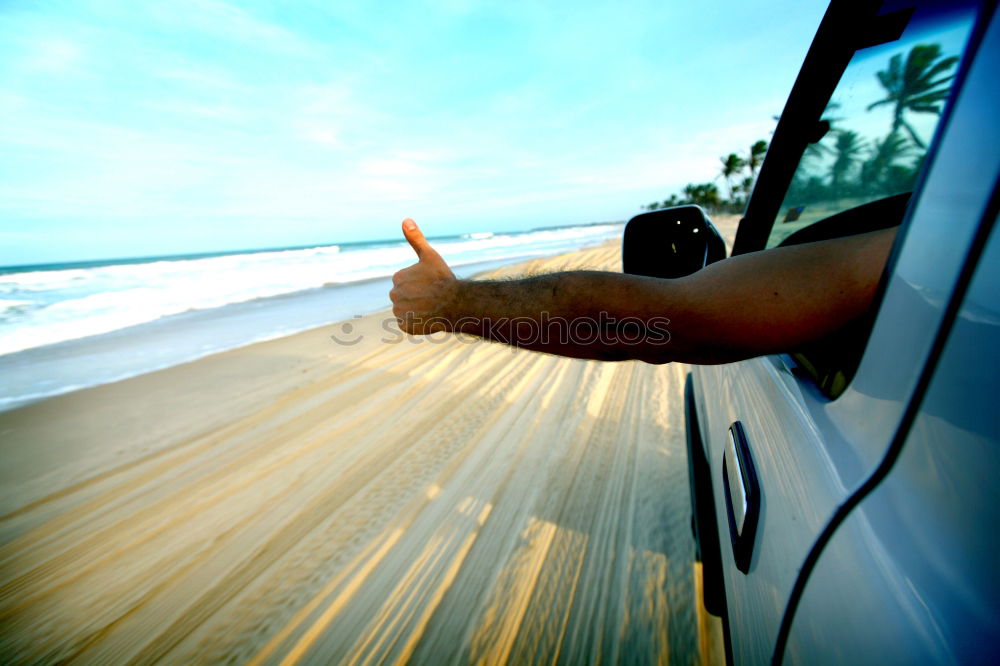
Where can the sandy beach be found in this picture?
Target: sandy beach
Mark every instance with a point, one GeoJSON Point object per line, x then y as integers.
{"type": "Point", "coordinates": [350, 495]}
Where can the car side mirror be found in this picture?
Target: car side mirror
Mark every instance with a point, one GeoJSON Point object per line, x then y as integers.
{"type": "Point", "coordinates": [671, 243]}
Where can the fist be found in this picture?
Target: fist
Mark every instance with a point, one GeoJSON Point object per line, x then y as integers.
{"type": "Point", "coordinates": [421, 292]}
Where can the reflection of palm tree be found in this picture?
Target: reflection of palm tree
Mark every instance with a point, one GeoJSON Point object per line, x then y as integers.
{"type": "Point", "coordinates": [846, 151]}
{"type": "Point", "coordinates": [913, 88]}
{"type": "Point", "coordinates": [882, 158]}
{"type": "Point", "coordinates": [732, 164]}
{"type": "Point", "coordinates": [818, 150]}
{"type": "Point", "coordinates": [831, 106]}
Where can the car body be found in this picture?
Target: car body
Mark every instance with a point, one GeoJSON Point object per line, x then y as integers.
{"type": "Point", "coordinates": [845, 497]}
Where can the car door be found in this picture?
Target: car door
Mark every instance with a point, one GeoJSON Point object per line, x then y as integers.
{"type": "Point", "coordinates": [789, 438]}
{"type": "Point", "coordinates": [906, 570]}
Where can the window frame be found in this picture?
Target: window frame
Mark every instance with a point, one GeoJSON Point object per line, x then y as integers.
{"type": "Point", "coordinates": [845, 29]}
{"type": "Point", "coordinates": [800, 124]}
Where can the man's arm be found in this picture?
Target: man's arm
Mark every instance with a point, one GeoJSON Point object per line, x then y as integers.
{"type": "Point", "coordinates": [753, 304]}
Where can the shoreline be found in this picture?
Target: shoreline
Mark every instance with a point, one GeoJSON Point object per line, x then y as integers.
{"type": "Point", "coordinates": [121, 354]}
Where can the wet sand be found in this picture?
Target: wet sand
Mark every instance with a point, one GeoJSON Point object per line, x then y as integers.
{"type": "Point", "coordinates": [381, 499]}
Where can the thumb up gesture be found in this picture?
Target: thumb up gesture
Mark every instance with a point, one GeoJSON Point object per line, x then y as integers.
{"type": "Point", "coordinates": [421, 292]}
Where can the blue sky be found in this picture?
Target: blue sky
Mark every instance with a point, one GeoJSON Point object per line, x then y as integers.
{"type": "Point", "coordinates": [141, 128]}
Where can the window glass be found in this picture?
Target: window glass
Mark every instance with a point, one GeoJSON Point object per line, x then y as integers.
{"type": "Point", "coordinates": [882, 117]}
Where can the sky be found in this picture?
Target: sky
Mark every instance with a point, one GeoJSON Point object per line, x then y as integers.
{"type": "Point", "coordinates": [169, 127]}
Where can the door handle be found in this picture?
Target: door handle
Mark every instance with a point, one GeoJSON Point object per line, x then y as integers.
{"type": "Point", "coordinates": [739, 479]}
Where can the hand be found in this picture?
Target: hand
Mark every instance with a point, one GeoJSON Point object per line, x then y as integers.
{"type": "Point", "coordinates": [420, 292]}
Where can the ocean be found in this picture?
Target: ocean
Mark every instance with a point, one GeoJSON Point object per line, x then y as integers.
{"type": "Point", "coordinates": [69, 326]}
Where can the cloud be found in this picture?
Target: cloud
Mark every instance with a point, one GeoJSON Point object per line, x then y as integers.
{"type": "Point", "coordinates": [53, 54]}
{"type": "Point", "coordinates": [230, 23]}
{"type": "Point", "coordinates": [203, 112]}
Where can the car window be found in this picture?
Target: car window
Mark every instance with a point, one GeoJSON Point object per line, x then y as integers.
{"type": "Point", "coordinates": [882, 116]}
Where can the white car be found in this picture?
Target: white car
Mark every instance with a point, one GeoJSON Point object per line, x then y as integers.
{"type": "Point", "coordinates": [845, 495]}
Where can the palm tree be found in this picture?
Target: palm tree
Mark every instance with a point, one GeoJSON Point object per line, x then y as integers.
{"type": "Point", "coordinates": [913, 87]}
{"type": "Point", "coordinates": [705, 195]}
{"type": "Point", "coordinates": [756, 157]}
{"type": "Point", "coordinates": [846, 150]}
{"type": "Point", "coordinates": [732, 164]}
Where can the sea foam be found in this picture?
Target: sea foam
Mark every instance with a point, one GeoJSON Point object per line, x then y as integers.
{"type": "Point", "coordinates": [51, 304]}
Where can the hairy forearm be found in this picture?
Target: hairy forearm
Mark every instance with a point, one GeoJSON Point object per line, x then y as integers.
{"type": "Point", "coordinates": [584, 314]}
{"type": "Point", "coordinates": [571, 293]}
